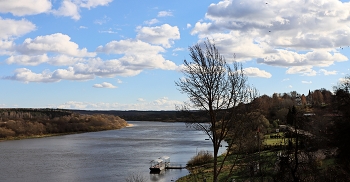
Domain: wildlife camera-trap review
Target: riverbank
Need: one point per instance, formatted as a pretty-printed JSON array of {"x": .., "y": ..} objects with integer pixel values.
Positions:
[{"x": 52, "y": 135}]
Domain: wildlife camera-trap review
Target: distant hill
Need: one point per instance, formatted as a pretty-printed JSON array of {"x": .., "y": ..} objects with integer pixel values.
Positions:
[{"x": 134, "y": 115}]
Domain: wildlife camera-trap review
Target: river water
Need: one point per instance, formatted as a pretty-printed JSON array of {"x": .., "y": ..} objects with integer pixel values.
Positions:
[{"x": 102, "y": 156}]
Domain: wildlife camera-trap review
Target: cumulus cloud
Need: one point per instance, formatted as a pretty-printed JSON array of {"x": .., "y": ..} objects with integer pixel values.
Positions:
[
  {"x": 138, "y": 55},
  {"x": 64, "y": 60},
  {"x": 304, "y": 70},
  {"x": 165, "y": 13},
  {"x": 70, "y": 74},
  {"x": 27, "y": 60},
  {"x": 104, "y": 85},
  {"x": 256, "y": 72},
  {"x": 71, "y": 8},
  {"x": 25, "y": 75},
  {"x": 279, "y": 33},
  {"x": 25, "y": 7},
  {"x": 68, "y": 8},
  {"x": 56, "y": 43},
  {"x": 14, "y": 28},
  {"x": 6, "y": 47},
  {"x": 162, "y": 35},
  {"x": 134, "y": 61}
]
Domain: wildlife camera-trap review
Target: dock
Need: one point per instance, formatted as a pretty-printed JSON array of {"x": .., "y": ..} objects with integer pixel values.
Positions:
[
  {"x": 174, "y": 166},
  {"x": 163, "y": 163}
]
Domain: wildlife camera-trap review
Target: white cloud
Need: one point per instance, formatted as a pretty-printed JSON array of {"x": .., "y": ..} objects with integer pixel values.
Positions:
[
  {"x": 163, "y": 35},
  {"x": 158, "y": 104},
  {"x": 70, "y": 74},
  {"x": 6, "y": 47},
  {"x": 325, "y": 72},
  {"x": 304, "y": 70},
  {"x": 56, "y": 43},
  {"x": 344, "y": 81},
  {"x": 188, "y": 25},
  {"x": 71, "y": 8},
  {"x": 27, "y": 60},
  {"x": 306, "y": 82},
  {"x": 165, "y": 13},
  {"x": 256, "y": 72},
  {"x": 74, "y": 105},
  {"x": 178, "y": 49},
  {"x": 104, "y": 85},
  {"x": 25, "y": 75},
  {"x": 14, "y": 28},
  {"x": 82, "y": 27},
  {"x": 119, "y": 81},
  {"x": 141, "y": 100},
  {"x": 64, "y": 60},
  {"x": 132, "y": 63},
  {"x": 286, "y": 79},
  {"x": 68, "y": 8},
  {"x": 25, "y": 7},
  {"x": 94, "y": 3},
  {"x": 138, "y": 55},
  {"x": 151, "y": 22},
  {"x": 279, "y": 33}
]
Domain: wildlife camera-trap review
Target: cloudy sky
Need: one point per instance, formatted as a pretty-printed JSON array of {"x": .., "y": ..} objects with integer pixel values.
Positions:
[{"x": 126, "y": 55}]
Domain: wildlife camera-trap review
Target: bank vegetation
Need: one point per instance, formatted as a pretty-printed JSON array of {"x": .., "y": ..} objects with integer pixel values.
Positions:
[{"x": 26, "y": 123}]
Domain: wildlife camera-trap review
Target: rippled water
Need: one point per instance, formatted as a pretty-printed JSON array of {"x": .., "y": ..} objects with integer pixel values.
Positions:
[{"x": 101, "y": 156}]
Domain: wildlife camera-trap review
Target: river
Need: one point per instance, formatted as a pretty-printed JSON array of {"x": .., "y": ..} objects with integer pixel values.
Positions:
[{"x": 102, "y": 156}]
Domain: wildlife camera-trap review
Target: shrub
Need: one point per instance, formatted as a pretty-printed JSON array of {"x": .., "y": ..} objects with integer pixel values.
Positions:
[{"x": 202, "y": 157}]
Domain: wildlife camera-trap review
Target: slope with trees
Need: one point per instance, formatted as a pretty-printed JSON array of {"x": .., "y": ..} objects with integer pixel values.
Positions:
[{"x": 22, "y": 123}]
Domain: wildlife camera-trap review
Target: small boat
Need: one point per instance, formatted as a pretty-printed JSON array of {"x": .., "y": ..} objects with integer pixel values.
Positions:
[{"x": 159, "y": 164}]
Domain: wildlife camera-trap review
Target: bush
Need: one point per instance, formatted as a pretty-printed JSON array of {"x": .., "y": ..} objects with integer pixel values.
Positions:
[{"x": 202, "y": 157}]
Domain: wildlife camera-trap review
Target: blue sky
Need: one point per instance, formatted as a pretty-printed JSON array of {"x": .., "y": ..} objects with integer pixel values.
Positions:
[{"x": 126, "y": 55}]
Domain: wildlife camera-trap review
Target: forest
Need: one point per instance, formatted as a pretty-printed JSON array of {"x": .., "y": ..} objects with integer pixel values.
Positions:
[{"x": 24, "y": 123}]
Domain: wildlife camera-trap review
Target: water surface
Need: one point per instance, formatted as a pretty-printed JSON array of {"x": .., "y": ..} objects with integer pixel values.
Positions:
[{"x": 101, "y": 156}]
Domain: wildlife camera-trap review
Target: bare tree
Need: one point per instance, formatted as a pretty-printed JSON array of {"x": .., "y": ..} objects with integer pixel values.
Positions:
[
  {"x": 216, "y": 87},
  {"x": 135, "y": 177}
]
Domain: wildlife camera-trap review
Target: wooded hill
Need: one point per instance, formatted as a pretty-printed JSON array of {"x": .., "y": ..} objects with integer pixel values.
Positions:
[
  {"x": 164, "y": 116},
  {"x": 22, "y": 122}
]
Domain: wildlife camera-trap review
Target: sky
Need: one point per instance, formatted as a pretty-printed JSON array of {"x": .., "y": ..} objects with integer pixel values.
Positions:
[{"x": 127, "y": 55}]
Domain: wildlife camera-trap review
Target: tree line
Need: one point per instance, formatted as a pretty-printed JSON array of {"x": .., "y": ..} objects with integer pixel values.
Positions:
[{"x": 21, "y": 123}]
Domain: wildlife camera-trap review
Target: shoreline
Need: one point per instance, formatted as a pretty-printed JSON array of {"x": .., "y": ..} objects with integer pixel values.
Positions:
[
  {"x": 52, "y": 135},
  {"x": 129, "y": 125}
]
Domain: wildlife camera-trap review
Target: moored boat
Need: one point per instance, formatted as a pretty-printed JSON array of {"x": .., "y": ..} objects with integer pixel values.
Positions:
[{"x": 159, "y": 164}]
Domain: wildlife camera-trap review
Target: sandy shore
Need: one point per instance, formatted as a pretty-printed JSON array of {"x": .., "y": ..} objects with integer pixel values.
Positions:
[{"x": 130, "y": 125}]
